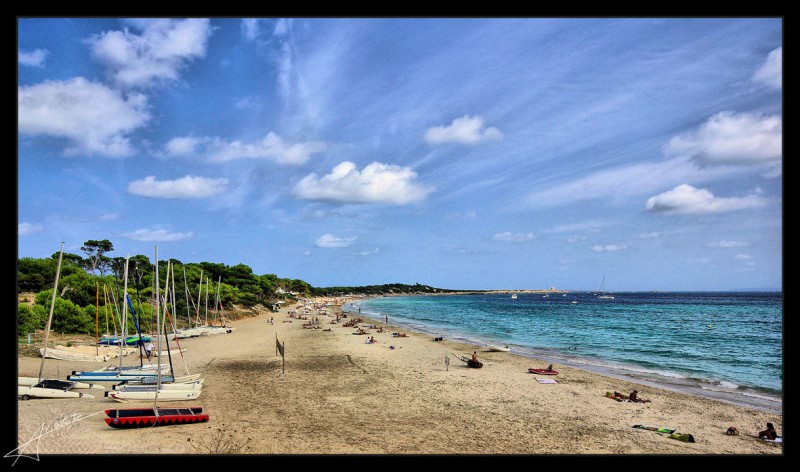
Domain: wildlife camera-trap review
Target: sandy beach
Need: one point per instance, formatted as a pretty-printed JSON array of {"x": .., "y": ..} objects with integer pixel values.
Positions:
[{"x": 339, "y": 395}]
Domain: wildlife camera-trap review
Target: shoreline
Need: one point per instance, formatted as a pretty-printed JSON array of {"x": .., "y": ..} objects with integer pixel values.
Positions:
[
  {"x": 339, "y": 395},
  {"x": 766, "y": 402}
]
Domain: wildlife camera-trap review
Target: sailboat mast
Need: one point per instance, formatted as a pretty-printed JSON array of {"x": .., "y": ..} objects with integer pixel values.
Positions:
[
  {"x": 124, "y": 313},
  {"x": 186, "y": 291},
  {"x": 158, "y": 331},
  {"x": 199, "y": 292},
  {"x": 207, "y": 301},
  {"x": 52, "y": 306}
]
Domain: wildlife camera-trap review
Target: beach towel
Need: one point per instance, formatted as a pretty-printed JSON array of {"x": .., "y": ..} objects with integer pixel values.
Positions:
[
  {"x": 682, "y": 437},
  {"x": 779, "y": 439},
  {"x": 547, "y": 381},
  {"x": 653, "y": 428}
]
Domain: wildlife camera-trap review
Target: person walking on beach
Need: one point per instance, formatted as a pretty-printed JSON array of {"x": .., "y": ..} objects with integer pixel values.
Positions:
[
  {"x": 386, "y": 319},
  {"x": 149, "y": 348}
]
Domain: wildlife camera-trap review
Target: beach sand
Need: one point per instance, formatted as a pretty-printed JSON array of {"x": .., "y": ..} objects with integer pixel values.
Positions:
[{"x": 339, "y": 395}]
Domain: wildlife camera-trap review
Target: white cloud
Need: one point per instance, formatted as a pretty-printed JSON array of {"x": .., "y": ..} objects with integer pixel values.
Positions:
[
  {"x": 687, "y": 200},
  {"x": 651, "y": 235},
  {"x": 26, "y": 229},
  {"x": 329, "y": 240},
  {"x": 160, "y": 235},
  {"x": 609, "y": 248},
  {"x": 514, "y": 237},
  {"x": 377, "y": 183},
  {"x": 702, "y": 260},
  {"x": 575, "y": 239},
  {"x": 729, "y": 138},
  {"x": 183, "y": 146},
  {"x": 465, "y": 130},
  {"x": 109, "y": 217},
  {"x": 770, "y": 73},
  {"x": 184, "y": 188},
  {"x": 366, "y": 253},
  {"x": 743, "y": 257},
  {"x": 33, "y": 58},
  {"x": 727, "y": 244},
  {"x": 92, "y": 117},
  {"x": 271, "y": 146},
  {"x": 164, "y": 47},
  {"x": 250, "y": 28}
]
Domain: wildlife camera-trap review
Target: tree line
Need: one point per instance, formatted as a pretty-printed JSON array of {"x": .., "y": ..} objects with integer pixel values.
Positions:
[{"x": 90, "y": 290}]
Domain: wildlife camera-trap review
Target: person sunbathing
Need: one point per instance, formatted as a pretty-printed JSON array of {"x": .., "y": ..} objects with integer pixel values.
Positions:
[
  {"x": 635, "y": 398},
  {"x": 619, "y": 396}
]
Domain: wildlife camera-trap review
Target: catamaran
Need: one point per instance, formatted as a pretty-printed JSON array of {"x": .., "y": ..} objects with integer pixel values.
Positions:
[{"x": 179, "y": 391}]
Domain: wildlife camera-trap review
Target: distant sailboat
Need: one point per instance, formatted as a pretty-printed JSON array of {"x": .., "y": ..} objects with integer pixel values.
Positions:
[{"x": 603, "y": 295}]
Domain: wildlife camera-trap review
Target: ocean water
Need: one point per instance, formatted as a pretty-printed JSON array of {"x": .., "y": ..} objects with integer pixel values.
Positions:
[{"x": 722, "y": 345}]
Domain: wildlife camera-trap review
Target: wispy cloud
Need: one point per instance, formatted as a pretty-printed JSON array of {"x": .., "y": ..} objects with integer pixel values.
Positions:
[
  {"x": 771, "y": 72},
  {"x": 700, "y": 260},
  {"x": 588, "y": 226},
  {"x": 250, "y": 28},
  {"x": 376, "y": 183},
  {"x": 26, "y": 229},
  {"x": 729, "y": 138},
  {"x": 164, "y": 47},
  {"x": 622, "y": 182},
  {"x": 687, "y": 200},
  {"x": 271, "y": 147},
  {"x": 184, "y": 188},
  {"x": 161, "y": 235},
  {"x": 575, "y": 239},
  {"x": 366, "y": 253},
  {"x": 464, "y": 130},
  {"x": 93, "y": 118},
  {"x": 33, "y": 58},
  {"x": 727, "y": 244},
  {"x": 651, "y": 235},
  {"x": 609, "y": 248},
  {"x": 328, "y": 240},
  {"x": 743, "y": 257},
  {"x": 514, "y": 237}
]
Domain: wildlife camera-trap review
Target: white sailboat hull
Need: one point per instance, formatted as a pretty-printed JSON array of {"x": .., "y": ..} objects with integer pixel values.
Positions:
[
  {"x": 26, "y": 392},
  {"x": 164, "y": 395},
  {"x": 193, "y": 385},
  {"x": 31, "y": 381}
]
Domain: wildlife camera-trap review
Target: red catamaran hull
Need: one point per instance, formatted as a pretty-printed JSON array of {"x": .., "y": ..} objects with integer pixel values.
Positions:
[{"x": 150, "y": 420}]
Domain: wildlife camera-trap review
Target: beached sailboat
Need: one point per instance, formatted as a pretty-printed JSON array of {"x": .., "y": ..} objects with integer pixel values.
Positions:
[
  {"x": 603, "y": 295},
  {"x": 50, "y": 388},
  {"x": 155, "y": 416},
  {"x": 187, "y": 391}
]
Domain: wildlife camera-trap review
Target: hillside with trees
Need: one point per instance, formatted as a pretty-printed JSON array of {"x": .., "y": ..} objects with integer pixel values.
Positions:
[{"x": 90, "y": 288}]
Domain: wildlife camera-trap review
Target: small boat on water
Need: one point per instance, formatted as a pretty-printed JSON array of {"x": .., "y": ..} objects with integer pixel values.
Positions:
[{"x": 514, "y": 296}]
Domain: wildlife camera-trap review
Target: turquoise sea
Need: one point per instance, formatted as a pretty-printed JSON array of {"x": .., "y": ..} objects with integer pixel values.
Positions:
[{"x": 723, "y": 345}]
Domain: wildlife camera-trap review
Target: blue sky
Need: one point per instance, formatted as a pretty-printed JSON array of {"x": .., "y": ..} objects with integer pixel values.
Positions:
[{"x": 498, "y": 153}]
